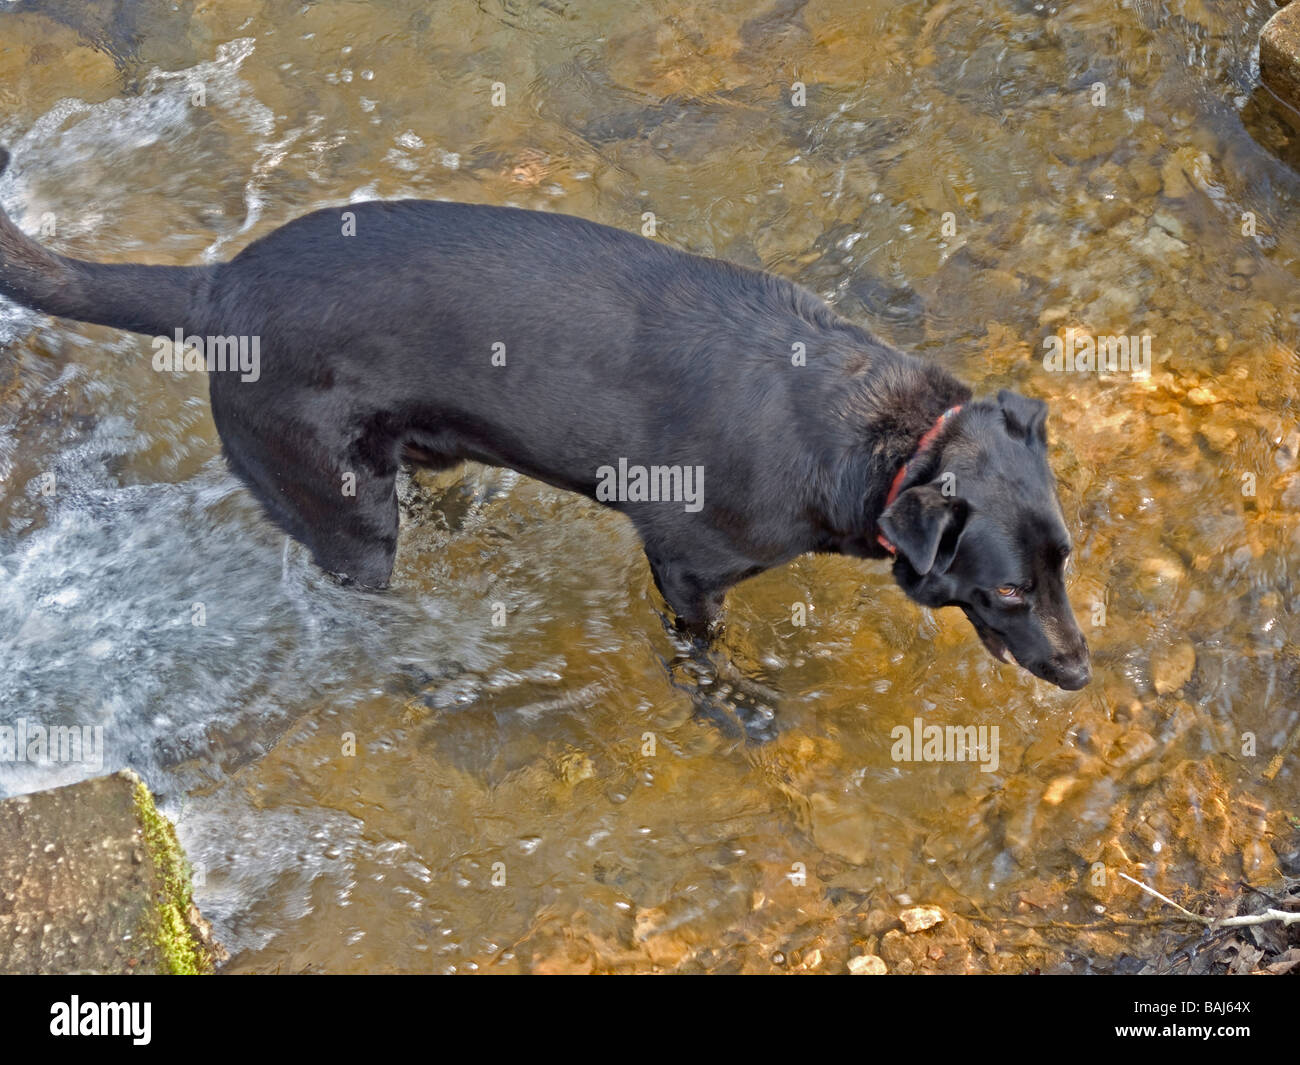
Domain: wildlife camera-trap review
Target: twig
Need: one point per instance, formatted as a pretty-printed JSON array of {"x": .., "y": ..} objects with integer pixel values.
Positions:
[
  {"x": 1152, "y": 891},
  {"x": 1268, "y": 915}
]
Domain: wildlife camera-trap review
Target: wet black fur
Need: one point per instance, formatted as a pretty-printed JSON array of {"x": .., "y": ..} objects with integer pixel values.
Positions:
[{"x": 378, "y": 348}]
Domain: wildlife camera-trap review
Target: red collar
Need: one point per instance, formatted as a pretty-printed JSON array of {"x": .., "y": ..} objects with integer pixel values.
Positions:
[{"x": 922, "y": 446}]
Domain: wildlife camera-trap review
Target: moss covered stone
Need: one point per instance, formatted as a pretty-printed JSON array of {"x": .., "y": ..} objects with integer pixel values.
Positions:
[{"x": 93, "y": 879}]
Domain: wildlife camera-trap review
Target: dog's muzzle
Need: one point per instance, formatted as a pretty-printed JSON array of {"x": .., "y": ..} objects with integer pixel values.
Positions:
[{"x": 1070, "y": 673}]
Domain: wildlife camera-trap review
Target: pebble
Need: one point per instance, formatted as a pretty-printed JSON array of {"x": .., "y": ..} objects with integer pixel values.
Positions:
[
  {"x": 1172, "y": 667},
  {"x": 919, "y": 918},
  {"x": 1057, "y": 790},
  {"x": 1221, "y": 437}
]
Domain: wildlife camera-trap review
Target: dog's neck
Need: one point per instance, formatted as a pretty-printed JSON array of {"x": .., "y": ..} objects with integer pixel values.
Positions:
[
  {"x": 908, "y": 469},
  {"x": 891, "y": 408}
]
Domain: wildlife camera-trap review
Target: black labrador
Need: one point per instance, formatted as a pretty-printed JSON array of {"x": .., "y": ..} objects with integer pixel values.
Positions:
[{"x": 730, "y": 414}]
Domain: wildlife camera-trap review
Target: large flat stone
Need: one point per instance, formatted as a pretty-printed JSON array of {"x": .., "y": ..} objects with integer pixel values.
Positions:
[
  {"x": 1279, "y": 54},
  {"x": 92, "y": 880}
]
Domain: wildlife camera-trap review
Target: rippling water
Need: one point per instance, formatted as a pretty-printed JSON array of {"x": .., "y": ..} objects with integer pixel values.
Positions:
[{"x": 394, "y": 782}]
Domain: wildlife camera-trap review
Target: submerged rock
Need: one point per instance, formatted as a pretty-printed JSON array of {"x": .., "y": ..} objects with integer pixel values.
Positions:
[
  {"x": 93, "y": 880},
  {"x": 1279, "y": 54}
]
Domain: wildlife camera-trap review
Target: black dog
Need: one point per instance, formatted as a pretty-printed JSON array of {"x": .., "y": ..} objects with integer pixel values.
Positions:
[{"x": 610, "y": 365}]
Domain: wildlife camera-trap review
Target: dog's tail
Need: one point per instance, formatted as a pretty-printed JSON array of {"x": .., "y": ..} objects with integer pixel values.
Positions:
[{"x": 155, "y": 300}]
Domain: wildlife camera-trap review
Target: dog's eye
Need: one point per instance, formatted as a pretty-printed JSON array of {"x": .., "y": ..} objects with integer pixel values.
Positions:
[{"x": 1010, "y": 593}]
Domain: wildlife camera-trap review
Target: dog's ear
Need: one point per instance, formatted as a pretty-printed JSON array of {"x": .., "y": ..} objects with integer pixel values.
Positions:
[
  {"x": 925, "y": 525},
  {"x": 1025, "y": 418}
]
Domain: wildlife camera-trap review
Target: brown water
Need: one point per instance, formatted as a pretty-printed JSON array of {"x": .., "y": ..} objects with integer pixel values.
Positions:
[{"x": 545, "y": 794}]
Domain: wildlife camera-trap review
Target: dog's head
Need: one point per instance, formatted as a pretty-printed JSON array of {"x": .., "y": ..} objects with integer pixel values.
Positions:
[{"x": 985, "y": 533}]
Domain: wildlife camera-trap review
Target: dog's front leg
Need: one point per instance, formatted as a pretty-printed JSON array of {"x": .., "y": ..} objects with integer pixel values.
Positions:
[
  {"x": 695, "y": 602},
  {"x": 718, "y": 688}
]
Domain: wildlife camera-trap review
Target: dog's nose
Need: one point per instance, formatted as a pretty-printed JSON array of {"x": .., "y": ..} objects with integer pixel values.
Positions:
[{"x": 1074, "y": 675}]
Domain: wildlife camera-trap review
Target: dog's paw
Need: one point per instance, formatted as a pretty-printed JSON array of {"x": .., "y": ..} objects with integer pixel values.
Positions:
[{"x": 738, "y": 705}]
